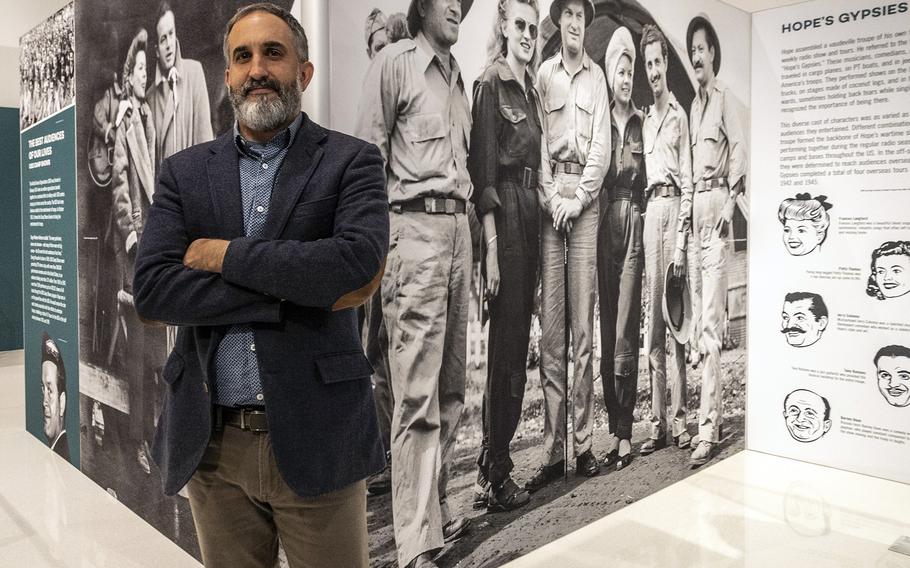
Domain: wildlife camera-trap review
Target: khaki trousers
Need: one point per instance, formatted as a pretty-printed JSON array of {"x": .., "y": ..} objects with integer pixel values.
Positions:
[
  {"x": 582, "y": 256},
  {"x": 241, "y": 506},
  {"x": 660, "y": 246},
  {"x": 713, "y": 262},
  {"x": 425, "y": 295}
]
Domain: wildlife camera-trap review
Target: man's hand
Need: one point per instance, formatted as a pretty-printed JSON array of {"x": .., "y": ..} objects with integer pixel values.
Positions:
[
  {"x": 360, "y": 296},
  {"x": 566, "y": 211},
  {"x": 492, "y": 270},
  {"x": 679, "y": 263},
  {"x": 722, "y": 227},
  {"x": 206, "y": 254}
]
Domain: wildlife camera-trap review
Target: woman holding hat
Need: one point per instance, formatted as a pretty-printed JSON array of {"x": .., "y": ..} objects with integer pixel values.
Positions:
[
  {"x": 620, "y": 256},
  {"x": 504, "y": 158}
]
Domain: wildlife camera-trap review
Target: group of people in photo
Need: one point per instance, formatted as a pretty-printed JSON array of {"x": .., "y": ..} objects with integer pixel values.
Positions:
[
  {"x": 581, "y": 198},
  {"x": 47, "y": 64}
]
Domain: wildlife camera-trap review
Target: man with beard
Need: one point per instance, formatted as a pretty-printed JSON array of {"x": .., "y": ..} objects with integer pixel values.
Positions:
[
  {"x": 667, "y": 224},
  {"x": 416, "y": 110},
  {"x": 575, "y": 156},
  {"x": 803, "y": 319},
  {"x": 53, "y": 391},
  {"x": 179, "y": 100},
  {"x": 718, "y": 178},
  {"x": 807, "y": 415},
  {"x": 258, "y": 245}
]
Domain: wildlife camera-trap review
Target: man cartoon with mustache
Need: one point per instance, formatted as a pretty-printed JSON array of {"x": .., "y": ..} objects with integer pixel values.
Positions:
[
  {"x": 53, "y": 391},
  {"x": 807, "y": 415},
  {"x": 804, "y": 318},
  {"x": 892, "y": 367},
  {"x": 718, "y": 177}
]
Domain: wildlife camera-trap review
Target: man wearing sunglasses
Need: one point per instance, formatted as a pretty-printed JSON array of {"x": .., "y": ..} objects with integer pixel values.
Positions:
[
  {"x": 575, "y": 155},
  {"x": 416, "y": 111}
]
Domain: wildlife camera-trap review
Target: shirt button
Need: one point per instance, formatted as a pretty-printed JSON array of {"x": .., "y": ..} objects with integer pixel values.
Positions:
[
  {"x": 260, "y": 209},
  {"x": 252, "y": 347},
  {"x": 259, "y": 396},
  {"x": 265, "y": 166}
]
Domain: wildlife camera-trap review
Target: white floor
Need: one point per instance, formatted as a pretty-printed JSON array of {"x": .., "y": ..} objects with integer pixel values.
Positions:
[{"x": 750, "y": 510}]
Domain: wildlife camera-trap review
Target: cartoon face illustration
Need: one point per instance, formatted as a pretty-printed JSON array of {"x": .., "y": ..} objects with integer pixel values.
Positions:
[
  {"x": 803, "y": 319},
  {"x": 807, "y": 415},
  {"x": 892, "y": 369},
  {"x": 890, "y": 276},
  {"x": 805, "y": 221}
]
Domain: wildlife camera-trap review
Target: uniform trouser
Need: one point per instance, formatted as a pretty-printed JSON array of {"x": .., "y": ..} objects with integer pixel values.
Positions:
[
  {"x": 619, "y": 268},
  {"x": 582, "y": 272},
  {"x": 660, "y": 247},
  {"x": 518, "y": 250},
  {"x": 713, "y": 261},
  {"x": 377, "y": 349},
  {"x": 693, "y": 274},
  {"x": 241, "y": 505},
  {"x": 425, "y": 294}
]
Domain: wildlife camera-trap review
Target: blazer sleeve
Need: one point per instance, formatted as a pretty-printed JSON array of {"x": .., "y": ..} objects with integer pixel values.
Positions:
[
  {"x": 166, "y": 290},
  {"x": 317, "y": 273}
]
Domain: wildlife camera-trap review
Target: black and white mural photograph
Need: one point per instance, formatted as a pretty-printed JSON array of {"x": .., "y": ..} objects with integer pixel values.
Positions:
[
  {"x": 561, "y": 325},
  {"x": 153, "y": 82},
  {"x": 47, "y": 65}
]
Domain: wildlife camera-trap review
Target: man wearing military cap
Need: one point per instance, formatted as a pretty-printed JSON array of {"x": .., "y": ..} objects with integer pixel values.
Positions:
[
  {"x": 416, "y": 111},
  {"x": 374, "y": 32},
  {"x": 718, "y": 177},
  {"x": 575, "y": 156}
]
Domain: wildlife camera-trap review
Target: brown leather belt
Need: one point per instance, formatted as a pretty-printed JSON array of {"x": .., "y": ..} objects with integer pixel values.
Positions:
[
  {"x": 709, "y": 184},
  {"x": 665, "y": 190},
  {"x": 249, "y": 419},
  {"x": 568, "y": 168},
  {"x": 523, "y": 177},
  {"x": 431, "y": 205}
]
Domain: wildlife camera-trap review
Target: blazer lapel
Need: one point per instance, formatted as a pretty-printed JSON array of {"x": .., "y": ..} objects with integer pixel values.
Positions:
[
  {"x": 301, "y": 161},
  {"x": 224, "y": 184}
]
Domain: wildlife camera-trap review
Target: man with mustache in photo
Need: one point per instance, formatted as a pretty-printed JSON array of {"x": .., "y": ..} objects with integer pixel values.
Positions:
[
  {"x": 258, "y": 245},
  {"x": 807, "y": 415},
  {"x": 892, "y": 367},
  {"x": 53, "y": 392},
  {"x": 415, "y": 109},
  {"x": 718, "y": 177},
  {"x": 804, "y": 318},
  {"x": 575, "y": 155}
]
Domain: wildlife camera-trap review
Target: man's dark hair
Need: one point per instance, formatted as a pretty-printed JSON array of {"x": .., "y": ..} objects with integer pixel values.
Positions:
[
  {"x": 824, "y": 401},
  {"x": 817, "y": 307},
  {"x": 652, "y": 34},
  {"x": 892, "y": 351},
  {"x": 50, "y": 352},
  {"x": 163, "y": 9},
  {"x": 301, "y": 45}
]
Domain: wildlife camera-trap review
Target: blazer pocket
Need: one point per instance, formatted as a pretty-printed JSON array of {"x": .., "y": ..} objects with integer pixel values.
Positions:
[
  {"x": 173, "y": 368},
  {"x": 315, "y": 207},
  {"x": 340, "y": 367}
]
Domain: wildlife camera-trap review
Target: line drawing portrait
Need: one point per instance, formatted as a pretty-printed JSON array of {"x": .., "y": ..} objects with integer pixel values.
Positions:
[
  {"x": 890, "y": 276},
  {"x": 807, "y": 415},
  {"x": 892, "y": 369},
  {"x": 804, "y": 318},
  {"x": 805, "y": 221},
  {"x": 53, "y": 391}
]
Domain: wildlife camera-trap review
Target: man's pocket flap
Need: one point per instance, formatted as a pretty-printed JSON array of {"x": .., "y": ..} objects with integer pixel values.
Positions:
[{"x": 338, "y": 367}]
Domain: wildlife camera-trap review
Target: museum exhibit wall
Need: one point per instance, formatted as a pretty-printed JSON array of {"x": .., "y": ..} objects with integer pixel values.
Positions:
[
  {"x": 10, "y": 233},
  {"x": 829, "y": 325}
]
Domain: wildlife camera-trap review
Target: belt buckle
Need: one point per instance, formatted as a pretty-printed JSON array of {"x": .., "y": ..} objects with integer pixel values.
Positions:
[
  {"x": 396, "y": 208},
  {"x": 450, "y": 206},
  {"x": 245, "y": 425},
  {"x": 429, "y": 204},
  {"x": 526, "y": 178}
]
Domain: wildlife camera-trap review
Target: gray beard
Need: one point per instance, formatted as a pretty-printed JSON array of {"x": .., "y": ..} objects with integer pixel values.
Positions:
[{"x": 266, "y": 114}]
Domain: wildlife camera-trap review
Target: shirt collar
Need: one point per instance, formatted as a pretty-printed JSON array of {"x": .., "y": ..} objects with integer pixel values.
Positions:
[
  {"x": 428, "y": 55},
  {"x": 506, "y": 74},
  {"x": 672, "y": 105},
  {"x": 585, "y": 60},
  {"x": 281, "y": 140}
]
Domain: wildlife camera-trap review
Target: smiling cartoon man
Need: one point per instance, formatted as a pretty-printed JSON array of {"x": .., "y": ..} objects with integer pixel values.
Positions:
[
  {"x": 804, "y": 318},
  {"x": 892, "y": 368},
  {"x": 807, "y": 414}
]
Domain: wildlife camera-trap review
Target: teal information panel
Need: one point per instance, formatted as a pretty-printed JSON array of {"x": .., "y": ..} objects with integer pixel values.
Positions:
[
  {"x": 50, "y": 330},
  {"x": 10, "y": 233}
]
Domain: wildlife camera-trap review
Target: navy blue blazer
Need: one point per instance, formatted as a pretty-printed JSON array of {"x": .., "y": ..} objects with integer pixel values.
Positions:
[{"x": 326, "y": 234}]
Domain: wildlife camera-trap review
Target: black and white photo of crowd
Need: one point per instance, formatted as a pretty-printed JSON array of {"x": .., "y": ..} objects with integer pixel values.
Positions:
[
  {"x": 568, "y": 236},
  {"x": 47, "y": 64},
  {"x": 152, "y": 85}
]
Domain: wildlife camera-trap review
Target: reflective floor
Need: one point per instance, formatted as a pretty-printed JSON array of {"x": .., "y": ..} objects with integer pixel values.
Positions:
[{"x": 750, "y": 510}]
